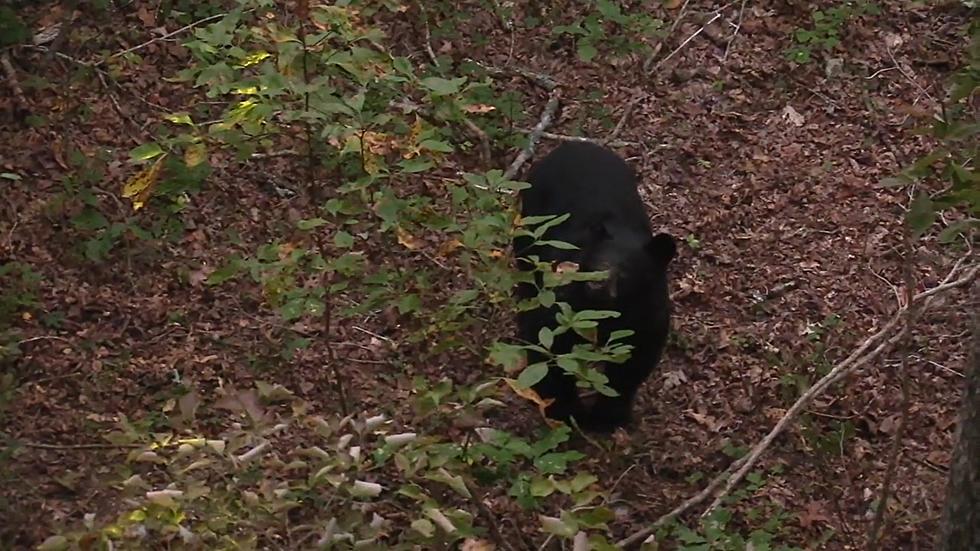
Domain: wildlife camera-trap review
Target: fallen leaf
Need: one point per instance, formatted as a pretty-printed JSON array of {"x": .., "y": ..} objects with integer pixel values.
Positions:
[
  {"x": 793, "y": 116},
  {"x": 479, "y": 108},
  {"x": 408, "y": 240},
  {"x": 146, "y": 16},
  {"x": 477, "y": 545}
]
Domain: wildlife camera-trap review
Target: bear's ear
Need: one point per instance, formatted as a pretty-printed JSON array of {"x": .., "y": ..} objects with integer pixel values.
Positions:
[{"x": 662, "y": 247}]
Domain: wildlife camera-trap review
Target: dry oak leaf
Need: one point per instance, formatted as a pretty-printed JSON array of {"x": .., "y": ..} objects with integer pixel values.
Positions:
[{"x": 408, "y": 240}]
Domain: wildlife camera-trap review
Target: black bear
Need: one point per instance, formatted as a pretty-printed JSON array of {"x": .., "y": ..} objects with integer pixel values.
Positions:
[{"x": 609, "y": 226}]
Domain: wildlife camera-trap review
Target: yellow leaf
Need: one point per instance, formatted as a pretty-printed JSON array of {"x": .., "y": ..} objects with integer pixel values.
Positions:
[
  {"x": 449, "y": 246},
  {"x": 285, "y": 250},
  {"x": 529, "y": 394},
  {"x": 140, "y": 187},
  {"x": 408, "y": 240},
  {"x": 377, "y": 142},
  {"x": 195, "y": 154},
  {"x": 371, "y": 164},
  {"x": 412, "y": 148},
  {"x": 246, "y": 90},
  {"x": 254, "y": 58}
]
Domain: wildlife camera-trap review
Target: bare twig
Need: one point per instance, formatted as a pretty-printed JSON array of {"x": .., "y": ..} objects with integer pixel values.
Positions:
[
  {"x": 858, "y": 358},
  {"x": 77, "y": 446},
  {"x": 532, "y": 139},
  {"x": 674, "y": 513},
  {"x": 477, "y": 498},
  {"x": 427, "y": 34},
  {"x": 44, "y": 338},
  {"x": 482, "y": 137},
  {"x": 688, "y": 40},
  {"x": 583, "y": 139},
  {"x": 166, "y": 36},
  {"x": 907, "y": 76},
  {"x": 628, "y": 110},
  {"x": 659, "y": 46},
  {"x": 871, "y": 348},
  {"x": 540, "y": 79},
  {"x": 896, "y": 447},
  {"x": 738, "y": 27},
  {"x": 14, "y": 83}
]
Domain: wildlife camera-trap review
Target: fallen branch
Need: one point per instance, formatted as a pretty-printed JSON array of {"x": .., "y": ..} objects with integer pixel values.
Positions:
[
  {"x": 857, "y": 359},
  {"x": 18, "y": 92},
  {"x": 738, "y": 27},
  {"x": 427, "y": 35},
  {"x": 868, "y": 350},
  {"x": 541, "y": 80},
  {"x": 660, "y": 44},
  {"x": 904, "y": 337},
  {"x": 582, "y": 139},
  {"x": 549, "y": 112},
  {"x": 628, "y": 110},
  {"x": 78, "y": 446}
]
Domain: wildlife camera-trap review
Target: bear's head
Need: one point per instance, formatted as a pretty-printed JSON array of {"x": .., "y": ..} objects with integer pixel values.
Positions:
[{"x": 636, "y": 261}]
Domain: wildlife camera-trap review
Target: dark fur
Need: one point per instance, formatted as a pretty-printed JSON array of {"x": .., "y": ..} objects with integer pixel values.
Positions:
[{"x": 609, "y": 225}]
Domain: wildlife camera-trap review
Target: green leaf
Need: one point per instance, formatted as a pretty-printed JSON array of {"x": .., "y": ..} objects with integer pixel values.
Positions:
[
  {"x": 146, "y": 151},
  {"x": 921, "y": 215},
  {"x": 343, "y": 239},
  {"x": 409, "y": 303},
  {"x": 542, "y": 487},
  {"x": 226, "y": 272},
  {"x": 532, "y": 374},
  {"x": 557, "y": 526},
  {"x": 310, "y": 223},
  {"x": 508, "y": 356},
  {"x": 586, "y": 51},
  {"x": 443, "y": 87},
  {"x": 596, "y": 314},
  {"x": 417, "y": 164},
  {"x": 90, "y": 219},
  {"x": 583, "y": 481},
  {"x": 952, "y": 232},
  {"x": 10, "y": 176},
  {"x": 565, "y": 246},
  {"x": 568, "y": 363},
  {"x": 556, "y": 462},
  {"x": 546, "y": 337},
  {"x": 436, "y": 145},
  {"x": 896, "y": 181},
  {"x": 455, "y": 482},
  {"x": 424, "y": 527},
  {"x": 54, "y": 543},
  {"x": 179, "y": 118}
]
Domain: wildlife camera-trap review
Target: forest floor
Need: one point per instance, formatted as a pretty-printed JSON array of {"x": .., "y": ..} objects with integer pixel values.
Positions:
[{"x": 767, "y": 170}]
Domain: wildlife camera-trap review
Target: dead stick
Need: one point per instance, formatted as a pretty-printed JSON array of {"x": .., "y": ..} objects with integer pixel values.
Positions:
[
  {"x": 629, "y": 106},
  {"x": 8, "y": 69},
  {"x": 546, "y": 116},
  {"x": 856, "y": 359},
  {"x": 187, "y": 27},
  {"x": 905, "y": 337}
]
